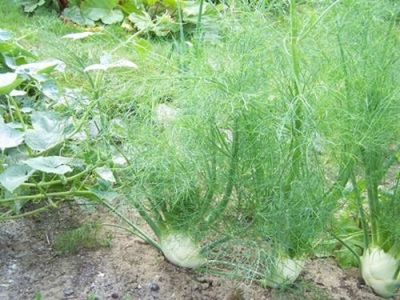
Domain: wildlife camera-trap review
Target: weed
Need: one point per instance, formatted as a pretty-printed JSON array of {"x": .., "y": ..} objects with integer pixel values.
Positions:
[
  {"x": 87, "y": 236},
  {"x": 38, "y": 296}
]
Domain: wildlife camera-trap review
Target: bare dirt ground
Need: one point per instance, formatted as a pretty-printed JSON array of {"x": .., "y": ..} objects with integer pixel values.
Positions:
[{"x": 130, "y": 269}]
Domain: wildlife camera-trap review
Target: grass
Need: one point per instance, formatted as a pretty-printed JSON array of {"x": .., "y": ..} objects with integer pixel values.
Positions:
[
  {"x": 241, "y": 160},
  {"x": 42, "y": 32},
  {"x": 86, "y": 236}
]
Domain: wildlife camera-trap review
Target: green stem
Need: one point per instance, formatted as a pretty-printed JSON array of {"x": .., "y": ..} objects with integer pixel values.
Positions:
[
  {"x": 157, "y": 228},
  {"x": 212, "y": 169},
  {"x": 373, "y": 204},
  {"x": 371, "y": 180},
  {"x": 58, "y": 181},
  {"x": 33, "y": 212},
  {"x": 297, "y": 125},
  {"x": 231, "y": 176},
  {"x": 97, "y": 84},
  {"x": 361, "y": 210},
  {"x": 70, "y": 193},
  {"x": 198, "y": 25},
  {"x": 136, "y": 230},
  {"x": 21, "y": 119},
  {"x": 181, "y": 46},
  {"x": 294, "y": 47},
  {"x": 181, "y": 31},
  {"x": 19, "y": 114}
]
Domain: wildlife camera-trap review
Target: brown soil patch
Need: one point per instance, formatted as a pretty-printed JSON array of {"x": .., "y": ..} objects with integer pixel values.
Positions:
[{"x": 130, "y": 269}]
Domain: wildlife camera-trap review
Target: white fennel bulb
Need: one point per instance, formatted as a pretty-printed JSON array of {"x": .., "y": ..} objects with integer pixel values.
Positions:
[
  {"x": 378, "y": 270},
  {"x": 180, "y": 250},
  {"x": 283, "y": 272}
]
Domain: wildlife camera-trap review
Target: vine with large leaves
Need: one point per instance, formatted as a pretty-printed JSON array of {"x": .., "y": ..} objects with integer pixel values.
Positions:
[
  {"x": 51, "y": 148},
  {"x": 155, "y": 17}
]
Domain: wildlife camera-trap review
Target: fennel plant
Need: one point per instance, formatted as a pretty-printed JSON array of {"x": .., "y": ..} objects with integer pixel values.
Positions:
[
  {"x": 262, "y": 93},
  {"x": 180, "y": 183},
  {"x": 295, "y": 198},
  {"x": 367, "y": 107}
]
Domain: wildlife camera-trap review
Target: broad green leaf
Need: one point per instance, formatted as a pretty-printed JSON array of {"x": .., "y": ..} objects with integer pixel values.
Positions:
[
  {"x": 97, "y": 9},
  {"x": 150, "y": 2},
  {"x": 114, "y": 16},
  {"x": 14, "y": 176},
  {"x": 103, "y": 189},
  {"x": 9, "y": 137},
  {"x": 106, "y": 174},
  {"x": 48, "y": 130},
  {"x": 16, "y": 155},
  {"x": 172, "y": 3},
  {"x": 31, "y": 5},
  {"x": 9, "y": 81},
  {"x": 50, "y": 90},
  {"x": 75, "y": 15},
  {"x": 13, "y": 49},
  {"x": 128, "y": 6},
  {"x": 142, "y": 21},
  {"x": 192, "y": 8},
  {"x": 79, "y": 35},
  {"x": 50, "y": 164},
  {"x": 45, "y": 66},
  {"x": 165, "y": 25},
  {"x": 122, "y": 63},
  {"x": 9, "y": 61}
]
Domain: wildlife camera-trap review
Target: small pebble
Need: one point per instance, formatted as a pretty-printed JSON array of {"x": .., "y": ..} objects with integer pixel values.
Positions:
[
  {"x": 154, "y": 287},
  {"x": 68, "y": 292},
  {"x": 114, "y": 295}
]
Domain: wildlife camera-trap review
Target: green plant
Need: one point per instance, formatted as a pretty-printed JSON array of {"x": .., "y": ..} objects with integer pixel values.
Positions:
[
  {"x": 30, "y": 6},
  {"x": 93, "y": 296},
  {"x": 176, "y": 188},
  {"x": 160, "y": 18},
  {"x": 366, "y": 110},
  {"x": 231, "y": 178},
  {"x": 48, "y": 136},
  {"x": 84, "y": 236},
  {"x": 38, "y": 296},
  {"x": 230, "y": 165},
  {"x": 284, "y": 180}
]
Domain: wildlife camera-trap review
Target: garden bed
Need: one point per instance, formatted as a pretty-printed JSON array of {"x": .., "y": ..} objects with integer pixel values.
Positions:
[
  {"x": 246, "y": 143},
  {"x": 130, "y": 269}
]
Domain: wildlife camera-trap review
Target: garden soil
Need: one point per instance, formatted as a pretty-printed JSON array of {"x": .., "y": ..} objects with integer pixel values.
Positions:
[{"x": 130, "y": 269}]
